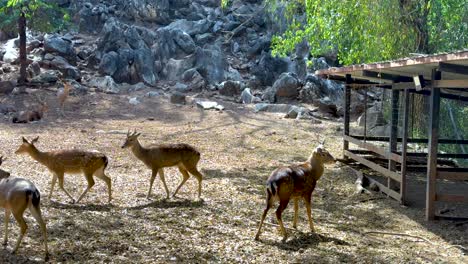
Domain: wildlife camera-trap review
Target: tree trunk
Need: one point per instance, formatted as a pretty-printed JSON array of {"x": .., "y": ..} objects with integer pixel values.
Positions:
[{"x": 22, "y": 48}]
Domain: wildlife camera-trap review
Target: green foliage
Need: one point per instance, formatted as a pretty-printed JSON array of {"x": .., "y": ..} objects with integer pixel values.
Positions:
[
  {"x": 43, "y": 16},
  {"x": 224, "y": 4},
  {"x": 372, "y": 30}
]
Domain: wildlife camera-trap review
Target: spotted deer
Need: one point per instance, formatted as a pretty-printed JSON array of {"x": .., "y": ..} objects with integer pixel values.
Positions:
[
  {"x": 72, "y": 161},
  {"x": 157, "y": 157},
  {"x": 295, "y": 182},
  {"x": 17, "y": 194}
]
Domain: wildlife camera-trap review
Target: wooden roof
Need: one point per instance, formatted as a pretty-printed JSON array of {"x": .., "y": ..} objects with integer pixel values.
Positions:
[{"x": 454, "y": 66}]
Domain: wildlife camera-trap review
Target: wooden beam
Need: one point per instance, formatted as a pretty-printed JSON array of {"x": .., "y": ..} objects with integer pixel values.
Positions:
[
  {"x": 453, "y": 84},
  {"x": 413, "y": 140},
  {"x": 347, "y": 109},
  {"x": 434, "y": 114},
  {"x": 453, "y": 68},
  {"x": 451, "y": 198},
  {"x": 382, "y": 188},
  {"x": 404, "y": 146},
  {"x": 452, "y": 175},
  {"x": 391, "y": 174},
  {"x": 386, "y": 76},
  {"x": 384, "y": 153}
]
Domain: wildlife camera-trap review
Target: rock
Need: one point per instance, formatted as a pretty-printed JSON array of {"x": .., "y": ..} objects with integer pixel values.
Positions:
[
  {"x": 230, "y": 88},
  {"x": 146, "y": 10},
  {"x": 59, "y": 63},
  {"x": 108, "y": 65},
  {"x": 92, "y": 18},
  {"x": 7, "y": 87},
  {"x": 196, "y": 81},
  {"x": 295, "y": 112},
  {"x": 175, "y": 68},
  {"x": 191, "y": 27},
  {"x": 182, "y": 88},
  {"x": 105, "y": 84},
  {"x": 172, "y": 43},
  {"x": 232, "y": 74},
  {"x": 177, "y": 98},
  {"x": 45, "y": 77},
  {"x": 269, "y": 68},
  {"x": 374, "y": 117},
  {"x": 309, "y": 93},
  {"x": 10, "y": 52},
  {"x": 34, "y": 69},
  {"x": 206, "y": 105},
  {"x": 286, "y": 86},
  {"x": 58, "y": 45},
  {"x": 325, "y": 105},
  {"x": 204, "y": 38},
  {"x": 152, "y": 94},
  {"x": 272, "y": 108},
  {"x": 144, "y": 64},
  {"x": 7, "y": 109},
  {"x": 211, "y": 63},
  {"x": 247, "y": 97},
  {"x": 137, "y": 87},
  {"x": 134, "y": 101},
  {"x": 269, "y": 95}
]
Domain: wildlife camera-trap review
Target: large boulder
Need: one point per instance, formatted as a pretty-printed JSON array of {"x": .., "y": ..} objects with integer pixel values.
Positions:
[
  {"x": 58, "y": 45},
  {"x": 175, "y": 69},
  {"x": 191, "y": 27},
  {"x": 374, "y": 117},
  {"x": 108, "y": 65},
  {"x": 268, "y": 68},
  {"x": 230, "y": 88},
  {"x": 145, "y": 10},
  {"x": 211, "y": 63},
  {"x": 195, "y": 81},
  {"x": 92, "y": 18},
  {"x": 105, "y": 84},
  {"x": 286, "y": 86},
  {"x": 172, "y": 43},
  {"x": 59, "y": 63}
]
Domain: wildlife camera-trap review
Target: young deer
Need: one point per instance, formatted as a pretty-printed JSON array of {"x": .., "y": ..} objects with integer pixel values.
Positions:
[
  {"x": 157, "y": 157},
  {"x": 72, "y": 161},
  {"x": 17, "y": 194},
  {"x": 62, "y": 95},
  {"x": 295, "y": 181},
  {"x": 31, "y": 115}
]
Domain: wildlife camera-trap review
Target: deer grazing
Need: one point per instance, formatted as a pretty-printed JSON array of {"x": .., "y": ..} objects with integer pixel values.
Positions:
[
  {"x": 31, "y": 115},
  {"x": 295, "y": 181},
  {"x": 157, "y": 157},
  {"x": 17, "y": 194},
  {"x": 72, "y": 161}
]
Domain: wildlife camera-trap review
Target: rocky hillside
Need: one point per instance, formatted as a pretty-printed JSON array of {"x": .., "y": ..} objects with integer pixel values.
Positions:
[{"x": 183, "y": 46}]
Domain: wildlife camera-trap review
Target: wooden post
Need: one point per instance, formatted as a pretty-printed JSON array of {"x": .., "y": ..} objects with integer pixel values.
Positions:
[
  {"x": 433, "y": 145},
  {"x": 404, "y": 147},
  {"x": 347, "y": 106},
  {"x": 393, "y": 132}
]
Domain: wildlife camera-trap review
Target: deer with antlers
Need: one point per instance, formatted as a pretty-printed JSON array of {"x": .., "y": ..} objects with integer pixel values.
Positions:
[
  {"x": 157, "y": 157},
  {"x": 17, "y": 194},
  {"x": 72, "y": 161},
  {"x": 295, "y": 182}
]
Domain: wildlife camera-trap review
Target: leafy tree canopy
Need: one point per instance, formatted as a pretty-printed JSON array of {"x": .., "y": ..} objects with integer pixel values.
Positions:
[{"x": 42, "y": 15}]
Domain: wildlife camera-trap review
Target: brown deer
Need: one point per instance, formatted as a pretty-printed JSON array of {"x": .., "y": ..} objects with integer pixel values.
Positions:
[
  {"x": 62, "y": 95},
  {"x": 295, "y": 181},
  {"x": 157, "y": 157},
  {"x": 71, "y": 161},
  {"x": 31, "y": 115},
  {"x": 17, "y": 194}
]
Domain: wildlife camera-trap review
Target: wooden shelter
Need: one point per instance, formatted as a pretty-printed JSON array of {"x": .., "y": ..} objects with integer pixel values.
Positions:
[{"x": 434, "y": 76}]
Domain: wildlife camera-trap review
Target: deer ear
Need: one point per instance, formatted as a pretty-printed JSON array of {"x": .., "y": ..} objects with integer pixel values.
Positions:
[
  {"x": 25, "y": 140},
  {"x": 35, "y": 140},
  {"x": 137, "y": 135},
  {"x": 1, "y": 160}
]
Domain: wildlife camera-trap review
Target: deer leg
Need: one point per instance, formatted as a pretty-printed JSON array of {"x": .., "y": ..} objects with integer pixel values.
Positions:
[
  {"x": 279, "y": 211},
  {"x": 153, "y": 176},
  {"x": 19, "y": 218},
  {"x": 186, "y": 177},
  {"x": 269, "y": 203},
  {"x": 36, "y": 213},
  {"x": 307, "y": 201},
  {"x": 54, "y": 180},
  {"x": 90, "y": 180},
  {"x": 7, "y": 220},
  {"x": 60, "y": 180},
  {"x": 296, "y": 212},
  {"x": 101, "y": 175},
  {"x": 161, "y": 176},
  {"x": 199, "y": 177}
]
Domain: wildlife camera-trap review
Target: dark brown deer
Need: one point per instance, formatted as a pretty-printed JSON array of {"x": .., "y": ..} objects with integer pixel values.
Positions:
[
  {"x": 17, "y": 194},
  {"x": 295, "y": 182}
]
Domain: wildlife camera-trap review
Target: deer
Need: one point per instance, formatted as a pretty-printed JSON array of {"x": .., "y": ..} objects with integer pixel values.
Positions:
[
  {"x": 62, "y": 95},
  {"x": 157, "y": 157},
  {"x": 72, "y": 161},
  {"x": 17, "y": 194},
  {"x": 295, "y": 182},
  {"x": 31, "y": 115}
]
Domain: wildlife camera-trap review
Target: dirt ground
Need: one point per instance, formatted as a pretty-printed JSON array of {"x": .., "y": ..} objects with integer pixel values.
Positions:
[{"x": 239, "y": 150}]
